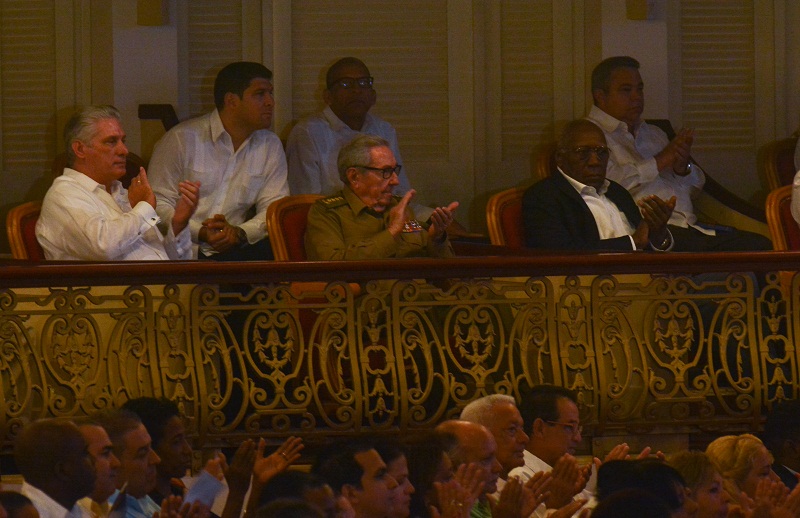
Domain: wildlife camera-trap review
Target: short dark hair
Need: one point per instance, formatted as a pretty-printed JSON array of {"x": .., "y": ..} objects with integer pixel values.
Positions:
[
  {"x": 651, "y": 475},
  {"x": 337, "y": 464},
  {"x": 235, "y": 78},
  {"x": 601, "y": 75},
  {"x": 541, "y": 402},
  {"x": 154, "y": 413},
  {"x": 568, "y": 133},
  {"x": 423, "y": 452},
  {"x": 333, "y": 71}
]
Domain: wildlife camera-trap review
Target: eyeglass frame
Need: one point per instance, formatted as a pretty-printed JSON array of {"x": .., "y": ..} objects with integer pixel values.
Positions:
[
  {"x": 584, "y": 152},
  {"x": 382, "y": 170},
  {"x": 365, "y": 82},
  {"x": 571, "y": 428}
]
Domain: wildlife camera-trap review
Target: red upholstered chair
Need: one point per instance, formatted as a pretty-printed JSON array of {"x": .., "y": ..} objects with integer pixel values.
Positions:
[
  {"x": 21, "y": 229},
  {"x": 286, "y": 225},
  {"x": 504, "y": 218},
  {"x": 783, "y": 228},
  {"x": 777, "y": 160}
]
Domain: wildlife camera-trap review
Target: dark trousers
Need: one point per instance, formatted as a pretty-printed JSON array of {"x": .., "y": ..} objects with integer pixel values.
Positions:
[
  {"x": 259, "y": 251},
  {"x": 733, "y": 240}
]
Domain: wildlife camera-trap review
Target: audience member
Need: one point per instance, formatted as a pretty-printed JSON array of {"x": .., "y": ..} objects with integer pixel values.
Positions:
[
  {"x": 356, "y": 471},
  {"x": 164, "y": 424},
  {"x": 499, "y": 414},
  {"x": 239, "y": 163},
  {"x": 54, "y": 460},
  {"x": 16, "y": 505},
  {"x": 579, "y": 208},
  {"x": 88, "y": 215},
  {"x": 646, "y": 162},
  {"x": 364, "y": 220},
  {"x": 782, "y": 438},
  {"x": 137, "y": 472},
  {"x": 314, "y": 143},
  {"x": 743, "y": 461},
  {"x": 106, "y": 465},
  {"x": 796, "y": 196},
  {"x": 397, "y": 466},
  {"x": 704, "y": 482},
  {"x": 550, "y": 414}
]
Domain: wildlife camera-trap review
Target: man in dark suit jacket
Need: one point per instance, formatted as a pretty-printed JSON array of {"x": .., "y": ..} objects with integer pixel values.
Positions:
[{"x": 577, "y": 208}]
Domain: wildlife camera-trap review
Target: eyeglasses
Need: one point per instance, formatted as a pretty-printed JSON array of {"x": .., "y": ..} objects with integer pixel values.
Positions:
[
  {"x": 385, "y": 172},
  {"x": 570, "y": 428},
  {"x": 349, "y": 82},
  {"x": 585, "y": 152}
]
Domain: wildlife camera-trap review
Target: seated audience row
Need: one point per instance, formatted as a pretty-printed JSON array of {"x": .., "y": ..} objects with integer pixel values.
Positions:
[
  {"x": 212, "y": 179},
  {"x": 499, "y": 459}
]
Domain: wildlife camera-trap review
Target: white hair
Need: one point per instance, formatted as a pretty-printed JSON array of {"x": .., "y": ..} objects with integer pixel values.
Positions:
[{"x": 480, "y": 410}]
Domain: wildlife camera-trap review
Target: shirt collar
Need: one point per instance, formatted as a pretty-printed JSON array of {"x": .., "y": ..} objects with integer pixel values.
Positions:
[
  {"x": 89, "y": 184},
  {"x": 217, "y": 129},
  {"x": 338, "y": 124},
  {"x": 582, "y": 187},
  {"x": 355, "y": 203},
  {"x": 608, "y": 123}
]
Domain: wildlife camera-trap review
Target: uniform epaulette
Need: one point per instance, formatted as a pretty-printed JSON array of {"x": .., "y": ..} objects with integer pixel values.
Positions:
[{"x": 334, "y": 201}]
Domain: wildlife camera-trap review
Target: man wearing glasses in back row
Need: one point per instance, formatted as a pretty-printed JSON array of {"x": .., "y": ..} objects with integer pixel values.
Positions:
[{"x": 365, "y": 220}]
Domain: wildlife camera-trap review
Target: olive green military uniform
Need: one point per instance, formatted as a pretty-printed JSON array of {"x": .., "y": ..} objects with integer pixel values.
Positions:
[{"x": 341, "y": 227}]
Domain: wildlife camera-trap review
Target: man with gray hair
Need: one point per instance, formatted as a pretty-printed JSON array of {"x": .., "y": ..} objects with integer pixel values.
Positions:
[
  {"x": 87, "y": 215},
  {"x": 365, "y": 220},
  {"x": 499, "y": 414}
]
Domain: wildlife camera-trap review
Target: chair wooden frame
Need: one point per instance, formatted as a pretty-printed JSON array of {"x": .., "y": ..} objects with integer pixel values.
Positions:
[
  {"x": 275, "y": 213},
  {"x": 770, "y": 160},
  {"x": 14, "y": 227},
  {"x": 495, "y": 207},
  {"x": 776, "y": 229}
]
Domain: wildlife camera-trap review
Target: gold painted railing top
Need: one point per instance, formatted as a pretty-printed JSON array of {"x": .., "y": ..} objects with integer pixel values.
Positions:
[{"x": 651, "y": 342}]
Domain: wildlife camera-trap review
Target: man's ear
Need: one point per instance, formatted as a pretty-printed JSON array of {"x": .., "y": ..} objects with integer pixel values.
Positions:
[
  {"x": 352, "y": 175},
  {"x": 537, "y": 430},
  {"x": 78, "y": 149},
  {"x": 231, "y": 100},
  {"x": 599, "y": 96}
]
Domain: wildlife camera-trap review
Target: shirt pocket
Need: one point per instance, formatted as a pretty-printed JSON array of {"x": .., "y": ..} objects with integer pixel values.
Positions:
[
  {"x": 248, "y": 189},
  {"x": 209, "y": 181}
]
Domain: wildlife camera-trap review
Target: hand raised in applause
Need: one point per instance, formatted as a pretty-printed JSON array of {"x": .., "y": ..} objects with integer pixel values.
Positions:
[
  {"x": 440, "y": 220},
  {"x": 140, "y": 190},
  {"x": 187, "y": 204},
  {"x": 398, "y": 215}
]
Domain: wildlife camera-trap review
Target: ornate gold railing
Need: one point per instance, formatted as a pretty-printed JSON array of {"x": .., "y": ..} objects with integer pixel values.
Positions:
[{"x": 652, "y": 343}]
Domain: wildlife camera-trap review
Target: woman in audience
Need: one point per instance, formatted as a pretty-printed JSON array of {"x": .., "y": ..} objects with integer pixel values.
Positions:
[
  {"x": 705, "y": 483},
  {"x": 743, "y": 461}
]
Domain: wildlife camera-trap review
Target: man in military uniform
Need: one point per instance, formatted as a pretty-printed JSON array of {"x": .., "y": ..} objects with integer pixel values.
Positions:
[{"x": 364, "y": 220}]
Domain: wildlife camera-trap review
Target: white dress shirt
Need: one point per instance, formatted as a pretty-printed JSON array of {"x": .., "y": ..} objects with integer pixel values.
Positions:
[
  {"x": 313, "y": 148},
  {"x": 81, "y": 221},
  {"x": 632, "y": 164},
  {"x": 611, "y": 222},
  {"x": 534, "y": 464},
  {"x": 49, "y": 508},
  {"x": 232, "y": 182}
]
